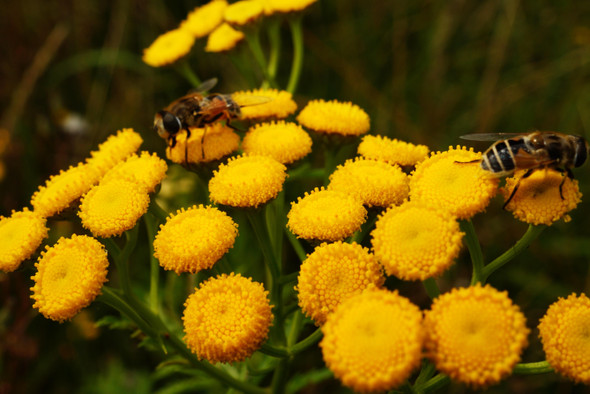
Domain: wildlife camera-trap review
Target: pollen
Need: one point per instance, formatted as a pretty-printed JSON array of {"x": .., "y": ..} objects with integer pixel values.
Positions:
[
  {"x": 218, "y": 141},
  {"x": 223, "y": 39},
  {"x": 194, "y": 239},
  {"x": 146, "y": 170},
  {"x": 285, "y": 142},
  {"x": 114, "y": 150},
  {"x": 334, "y": 117},
  {"x": 265, "y": 104},
  {"x": 204, "y": 19},
  {"x": 20, "y": 236},
  {"x": 243, "y": 12},
  {"x": 392, "y": 151},
  {"x": 169, "y": 47}
]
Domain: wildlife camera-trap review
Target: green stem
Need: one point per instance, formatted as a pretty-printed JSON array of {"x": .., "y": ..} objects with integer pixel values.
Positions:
[
  {"x": 295, "y": 329},
  {"x": 296, "y": 244},
  {"x": 474, "y": 251},
  {"x": 278, "y": 352},
  {"x": 431, "y": 288},
  {"x": 156, "y": 210},
  {"x": 150, "y": 224},
  {"x": 532, "y": 368},
  {"x": 274, "y": 37},
  {"x": 435, "y": 383},
  {"x": 311, "y": 340},
  {"x": 297, "y": 37},
  {"x": 187, "y": 72},
  {"x": 253, "y": 40},
  {"x": 111, "y": 298},
  {"x": 279, "y": 378}
]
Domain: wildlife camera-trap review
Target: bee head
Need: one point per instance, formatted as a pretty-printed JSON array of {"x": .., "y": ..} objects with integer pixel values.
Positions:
[{"x": 166, "y": 124}]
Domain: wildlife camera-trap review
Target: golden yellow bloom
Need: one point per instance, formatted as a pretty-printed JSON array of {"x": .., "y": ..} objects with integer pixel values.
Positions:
[
  {"x": 373, "y": 341},
  {"x": 416, "y": 242},
  {"x": 537, "y": 200},
  {"x": 219, "y": 142},
  {"x": 227, "y": 318},
  {"x": 223, "y": 38},
  {"x": 113, "y": 207},
  {"x": 392, "y": 151},
  {"x": 194, "y": 239},
  {"x": 445, "y": 180},
  {"x": 146, "y": 170},
  {"x": 204, "y": 19},
  {"x": 284, "y": 6},
  {"x": 247, "y": 181},
  {"x": 265, "y": 104},
  {"x": 334, "y": 117},
  {"x": 243, "y": 12},
  {"x": 169, "y": 47},
  {"x": 373, "y": 182},
  {"x": 114, "y": 150},
  {"x": 69, "y": 276},
  {"x": 20, "y": 235},
  {"x": 284, "y": 142},
  {"x": 61, "y": 190},
  {"x": 333, "y": 273},
  {"x": 475, "y": 335},
  {"x": 326, "y": 215},
  {"x": 565, "y": 333}
]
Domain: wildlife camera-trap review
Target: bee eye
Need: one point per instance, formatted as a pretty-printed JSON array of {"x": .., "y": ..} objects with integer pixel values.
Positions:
[{"x": 171, "y": 123}]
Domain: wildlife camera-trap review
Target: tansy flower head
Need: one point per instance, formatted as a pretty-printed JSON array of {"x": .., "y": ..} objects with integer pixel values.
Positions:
[
  {"x": 265, "y": 104},
  {"x": 333, "y": 273},
  {"x": 194, "y": 239},
  {"x": 284, "y": 142},
  {"x": 537, "y": 199},
  {"x": 416, "y": 242},
  {"x": 374, "y": 183},
  {"x": 334, "y": 117},
  {"x": 69, "y": 276},
  {"x": 114, "y": 150},
  {"x": 219, "y": 141},
  {"x": 243, "y": 12},
  {"x": 373, "y": 341},
  {"x": 169, "y": 47},
  {"x": 565, "y": 333},
  {"x": 284, "y": 6},
  {"x": 227, "y": 318},
  {"x": 223, "y": 38},
  {"x": 146, "y": 170},
  {"x": 326, "y": 215},
  {"x": 204, "y": 19},
  {"x": 392, "y": 151},
  {"x": 475, "y": 335},
  {"x": 61, "y": 190},
  {"x": 247, "y": 181},
  {"x": 20, "y": 235},
  {"x": 113, "y": 207},
  {"x": 449, "y": 180}
]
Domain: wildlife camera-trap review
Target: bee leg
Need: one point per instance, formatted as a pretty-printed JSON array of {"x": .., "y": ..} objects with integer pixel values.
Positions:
[
  {"x": 203, "y": 144},
  {"x": 188, "y": 134},
  {"x": 570, "y": 175},
  {"x": 526, "y": 175}
]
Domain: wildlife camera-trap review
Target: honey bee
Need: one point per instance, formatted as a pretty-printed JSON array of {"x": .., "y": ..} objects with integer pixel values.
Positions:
[{"x": 536, "y": 150}]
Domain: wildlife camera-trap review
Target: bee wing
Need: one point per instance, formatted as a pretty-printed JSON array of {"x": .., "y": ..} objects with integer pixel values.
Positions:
[
  {"x": 247, "y": 100},
  {"x": 489, "y": 136},
  {"x": 204, "y": 87}
]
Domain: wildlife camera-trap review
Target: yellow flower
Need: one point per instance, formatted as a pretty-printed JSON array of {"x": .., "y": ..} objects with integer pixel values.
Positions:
[
  {"x": 265, "y": 104},
  {"x": 284, "y": 142},
  {"x": 537, "y": 200},
  {"x": 169, "y": 47},
  {"x": 20, "y": 235},
  {"x": 416, "y": 242},
  {"x": 374, "y": 183},
  {"x": 373, "y": 341},
  {"x": 227, "y": 318},
  {"x": 247, "y": 181},
  {"x": 69, "y": 276},
  {"x": 333, "y": 273},
  {"x": 223, "y": 39},
  {"x": 61, "y": 190},
  {"x": 114, "y": 150},
  {"x": 146, "y": 170},
  {"x": 284, "y": 6},
  {"x": 565, "y": 333},
  {"x": 113, "y": 207},
  {"x": 243, "y": 12},
  {"x": 392, "y": 151},
  {"x": 475, "y": 335},
  {"x": 334, "y": 117},
  {"x": 194, "y": 239},
  {"x": 445, "y": 180},
  {"x": 204, "y": 19},
  {"x": 219, "y": 142},
  {"x": 326, "y": 215}
]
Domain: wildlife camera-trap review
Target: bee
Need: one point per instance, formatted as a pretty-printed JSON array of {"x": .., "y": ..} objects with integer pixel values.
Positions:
[{"x": 536, "y": 150}]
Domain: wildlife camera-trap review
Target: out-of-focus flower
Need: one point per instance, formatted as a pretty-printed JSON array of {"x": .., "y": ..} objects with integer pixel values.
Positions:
[
  {"x": 20, "y": 236},
  {"x": 392, "y": 151},
  {"x": 223, "y": 38},
  {"x": 243, "y": 12},
  {"x": 169, "y": 47},
  {"x": 204, "y": 19},
  {"x": 265, "y": 104},
  {"x": 284, "y": 142},
  {"x": 334, "y": 117},
  {"x": 285, "y": 6}
]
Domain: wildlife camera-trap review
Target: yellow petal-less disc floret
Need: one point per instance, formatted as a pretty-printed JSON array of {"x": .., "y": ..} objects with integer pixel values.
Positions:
[
  {"x": 453, "y": 180},
  {"x": 169, "y": 47},
  {"x": 247, "y": 181},
  {"x": 475, "y": 335},
  {"x": 285, "y": 142},
  {"x": 334, "y": 117},
  {"x": 243, "y": 12},
  {"x": 373, "y": 182},
  {"x": 146, "y": 170},
  {"x": 285, "y": 6},
  {"x": 113, "y": 207},
  {"x": 537, "y": 199},
  {"x": 265, "y": 104},
  {"x": 219, "y": 141},
  {"x": 194, "y": 239},
  {"x": 223, "y": 38},
  {"x": 204, "y": 19},
  {"x": 70, "y": 275},
  {"x": 20, "y": 236},
  {"x": 416, "y": 242},
  {"x": 114, "y": 150},
  {"x": 333, "y": 273},
  {"x": 565, "y": 333},
  {"x": 392, "y": 151},
  {"x": 227, "y": 318},
  {"x": 373, "y": 341},
  {"x": 326, "y": 215}
]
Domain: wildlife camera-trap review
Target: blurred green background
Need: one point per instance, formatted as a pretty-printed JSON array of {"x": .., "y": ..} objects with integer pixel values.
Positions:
[{"x": 425, "y": 71}]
